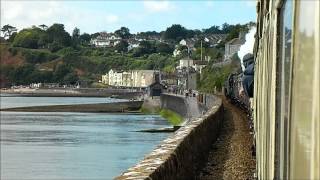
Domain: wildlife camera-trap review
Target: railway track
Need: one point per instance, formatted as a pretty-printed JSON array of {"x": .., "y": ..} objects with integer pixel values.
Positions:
[{"x": 230, "y": 156}]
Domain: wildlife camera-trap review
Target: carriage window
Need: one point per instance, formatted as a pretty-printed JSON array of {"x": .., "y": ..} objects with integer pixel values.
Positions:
[
  {"x": 283, "y": 83},
  {"x": 304, "y": 110}
]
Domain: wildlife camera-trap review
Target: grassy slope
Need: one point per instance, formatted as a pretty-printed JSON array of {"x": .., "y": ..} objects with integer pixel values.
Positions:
[{"x": 174, "y": 118}]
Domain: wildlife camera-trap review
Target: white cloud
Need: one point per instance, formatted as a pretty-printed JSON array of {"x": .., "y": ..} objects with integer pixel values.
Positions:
[
  {"x": 112, "y": 18},
  {"x": 23, "y": 14},
  {"x": 157, "y": 6}
]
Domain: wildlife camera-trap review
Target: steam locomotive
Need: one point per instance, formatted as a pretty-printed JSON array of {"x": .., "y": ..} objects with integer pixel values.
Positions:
[{"x": 234, "y": 89}]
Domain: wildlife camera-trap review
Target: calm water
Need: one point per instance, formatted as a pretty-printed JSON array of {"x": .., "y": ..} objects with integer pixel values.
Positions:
[
  {"x": 73, "y": 145},
  {"x": 11, "y": 101}
]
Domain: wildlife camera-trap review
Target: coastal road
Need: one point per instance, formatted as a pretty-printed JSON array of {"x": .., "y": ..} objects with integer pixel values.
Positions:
[{"x": 230, "y": 156}]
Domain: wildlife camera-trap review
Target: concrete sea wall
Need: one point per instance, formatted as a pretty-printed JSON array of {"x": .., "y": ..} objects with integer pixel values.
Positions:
[
  {"x": 178, "y": 156},
  {"x": 177, "y": 104}
]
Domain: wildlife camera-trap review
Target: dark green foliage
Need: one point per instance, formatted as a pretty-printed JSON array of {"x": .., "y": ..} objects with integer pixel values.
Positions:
[
  {"x": 66, "y": 51},
  {"x": 213, "y": 30},
  {"x": 94, "y": 35},
  {"x": 11, "y": 38},
  {"x": 43, "y": 27},
  {"x": 35, "y": 57},
  {"x": 85, "y": 38},
  {"x": 28, "y": 38},
  {"x": 213, "y": 52},
  {"x": 13, "y": 51},
  {"x": 24, "y": 75},
  {"x": 56, "y": 33},
  {"x": 176, "y": 32},
  {"x": 122, "y": 46},
  {"x": 164, "y": 48},
  {"x": 145, "y": 47},
  {"x": 60, "y": 71},
  {"x": 123, "y": 32},
  {"x": 8, "y": 30},
  {"x": 55, "y": 46},
  {"x": 234, "y": 30},
  {"x": 214, "y": 77},
  {"x": 70, "y": 78},
  {"x": 146, "y": 34}
]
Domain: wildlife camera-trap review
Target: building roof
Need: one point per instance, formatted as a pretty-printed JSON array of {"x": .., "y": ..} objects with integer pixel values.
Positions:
[
  {"x": 236, "y": 41},
  {"x": 186, "y": 59},
  {"x": 201, "y": 62}
]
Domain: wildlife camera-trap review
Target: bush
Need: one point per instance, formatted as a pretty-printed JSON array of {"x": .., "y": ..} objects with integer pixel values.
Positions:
[
  {"x": 54, "y": 47},
  {"x": 28, "y": 38},
  {"x": 66, "y": 51},
  {"x": 35, "y": 57},
  {"x": 13, "y": 51}
]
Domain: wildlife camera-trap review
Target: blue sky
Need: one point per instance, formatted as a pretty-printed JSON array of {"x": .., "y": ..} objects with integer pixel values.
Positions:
[{"x": 137, "y": 15}]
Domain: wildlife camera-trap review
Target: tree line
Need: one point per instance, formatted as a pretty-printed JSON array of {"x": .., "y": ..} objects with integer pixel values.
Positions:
[{"x": 76, "y": 60}]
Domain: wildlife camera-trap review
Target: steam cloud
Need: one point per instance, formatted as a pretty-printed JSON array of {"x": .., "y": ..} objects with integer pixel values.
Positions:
[{"x": 247, "y": 47}]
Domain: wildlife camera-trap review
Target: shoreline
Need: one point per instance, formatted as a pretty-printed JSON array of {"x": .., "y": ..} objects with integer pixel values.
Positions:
[{"x": 60, "y": 92}]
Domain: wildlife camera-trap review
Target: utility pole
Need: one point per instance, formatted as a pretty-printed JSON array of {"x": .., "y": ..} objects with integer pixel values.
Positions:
[{"x": 201, "y": 49}]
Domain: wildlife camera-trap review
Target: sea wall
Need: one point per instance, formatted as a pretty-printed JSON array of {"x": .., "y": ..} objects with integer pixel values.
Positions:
[
  {"x": 178, "y": 156},
  {"x": 174, "y": 103}
]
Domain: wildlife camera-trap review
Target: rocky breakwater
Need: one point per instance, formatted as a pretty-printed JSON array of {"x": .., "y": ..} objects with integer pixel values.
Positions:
[{"x": 178, "y": 156}]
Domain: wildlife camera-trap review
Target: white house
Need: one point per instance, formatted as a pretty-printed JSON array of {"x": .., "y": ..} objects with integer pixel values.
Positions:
[
  {"x": 176, "y": 52},
  {"x": 105, "y": 79},
  {"x": 183, "y": 42},
  {"x": 186, "y": 62},
  {"x": 105, "y": 40},
  {"x": 134, "y": 78}
]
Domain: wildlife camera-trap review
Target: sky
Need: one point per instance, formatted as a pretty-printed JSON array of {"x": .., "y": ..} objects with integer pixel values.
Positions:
[{"x": 137, "y": 15}]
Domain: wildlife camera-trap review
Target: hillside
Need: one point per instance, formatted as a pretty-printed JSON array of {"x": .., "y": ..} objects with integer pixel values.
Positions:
[
  {"x": 52, "y": 55},
  {"x": 70, "y": 65}
]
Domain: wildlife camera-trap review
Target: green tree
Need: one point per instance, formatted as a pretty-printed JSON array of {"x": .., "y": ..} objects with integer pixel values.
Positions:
[
  {"x": 57, "y": 33},
  {"x": 8, "y": 30},
  {"x": 70, "y": 78},
  {"x": 164, "y": 48},
  {"x": 76, "y": 33},
  {"x": 145, "y": 47},
  {"x": 85, "y": 38},
  {"x": 123, "y": 32},
  {"x": 175, "y": 32},
  {"x": 75, "y": 37},
  {"x": 122, "y": 46},
  {"x": 13, "y": 35},
  {"x": 60, "y": 72},
  {"x": 55, "y": 46},
  {"x": 43, "y": 27},
  {"x": 213, "y": 30},
  {"x": 28, "y": 38}
]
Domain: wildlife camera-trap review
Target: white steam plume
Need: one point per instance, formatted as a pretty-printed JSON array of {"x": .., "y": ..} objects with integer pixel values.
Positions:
[{"x": 247, "y": 47}]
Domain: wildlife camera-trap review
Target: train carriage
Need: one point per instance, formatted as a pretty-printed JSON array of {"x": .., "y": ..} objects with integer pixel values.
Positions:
[{"x": 286, "y": 89}]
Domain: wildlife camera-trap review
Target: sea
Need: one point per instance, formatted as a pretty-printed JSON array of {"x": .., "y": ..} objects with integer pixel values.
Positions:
[{"x": 60, "y": 145}]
